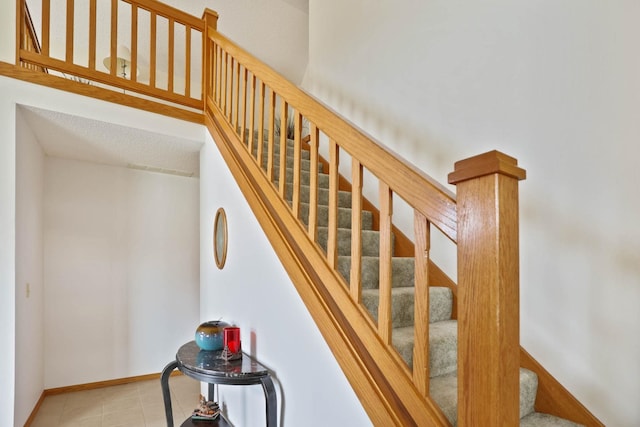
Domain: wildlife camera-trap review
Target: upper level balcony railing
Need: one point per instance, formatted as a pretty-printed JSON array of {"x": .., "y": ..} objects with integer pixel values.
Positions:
[{"x": 142, "y": 48}]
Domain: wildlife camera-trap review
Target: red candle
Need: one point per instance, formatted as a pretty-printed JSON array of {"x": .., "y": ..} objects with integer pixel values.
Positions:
[{"x": 232, "y": 339}]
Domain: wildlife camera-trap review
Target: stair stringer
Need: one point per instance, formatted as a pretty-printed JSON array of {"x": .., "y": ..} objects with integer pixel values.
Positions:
[{"x": 378, "y": 376}]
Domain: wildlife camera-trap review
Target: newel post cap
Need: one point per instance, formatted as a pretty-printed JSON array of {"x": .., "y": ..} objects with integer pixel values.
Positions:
[
  {"x": 488, "y": 163},
  {"x": 210, "y": 17}
]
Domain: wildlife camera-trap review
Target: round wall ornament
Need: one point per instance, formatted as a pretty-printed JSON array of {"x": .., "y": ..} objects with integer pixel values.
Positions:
[{"x": 220, "y": 238}]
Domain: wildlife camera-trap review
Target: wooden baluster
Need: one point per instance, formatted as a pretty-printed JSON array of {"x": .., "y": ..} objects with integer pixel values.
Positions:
[
  {"x": 384, "y": 307},
  {"x": 211, "y": 76},
  {"x": 228, "y": 85},
  {"x": 219, "y": 59},
  {"x": 272, "y": 142},
  {"x": 113, "y": 65},
  {"x": 225, "y": 85},
  {"x": 70, "y": 26},
  {"x": 488, "y": 290},
  {"x": 171, "y": 59},
  {"x": 282, "y": 177},
  {"x": 232, "y": 75},
  {"x": 134, "y": 42},
  {"x": 421, "y": 304},
  {"x": 187, "y": 61},
  {"x": 252, "y": 106},
  {"x": 46, "y": 26},
  {"x": 313, "y": 182},
  {"x": 243, "y": 122},
  {"x": 152, "y": 50},
  {"x": 213, "y": 48},
  {"x": 261, "y": 96},
  {"x": 332, "y": 242},
  {"x": 236, "y": 91},
  {"x": 23, "y": 40},
  {"x": 297, "y": 125},
  {"x": 355, "y": 278}
]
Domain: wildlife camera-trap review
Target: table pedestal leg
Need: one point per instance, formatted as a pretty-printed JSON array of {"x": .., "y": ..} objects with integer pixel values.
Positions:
[
  {"x": 166, "y": 394},
  {"x": 271, "y": 400}
]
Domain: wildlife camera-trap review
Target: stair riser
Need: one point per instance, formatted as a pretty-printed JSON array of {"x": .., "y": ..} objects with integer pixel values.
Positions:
[
  {"x": 401, "y": 308},
  {"x": 370, "y": 241},
  {"x": 402, "y": 271},
  {"x": 444, "y": 391},
  {"x": 276, "y": 150},
  {"x": 323, "y": 179},
  {"x": 344, "y": 217},
  {"x": 305, "y": 164},
  {"x": 402, "y": 305},
  {"x": 344, "y": 197}
]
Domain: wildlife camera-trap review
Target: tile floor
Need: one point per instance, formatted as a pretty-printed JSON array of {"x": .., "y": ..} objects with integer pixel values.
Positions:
[{"x": 137, "y": 404}]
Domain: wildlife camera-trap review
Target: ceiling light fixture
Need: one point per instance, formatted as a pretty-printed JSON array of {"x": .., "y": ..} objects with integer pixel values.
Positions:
[{"x": 123, "y": 62}]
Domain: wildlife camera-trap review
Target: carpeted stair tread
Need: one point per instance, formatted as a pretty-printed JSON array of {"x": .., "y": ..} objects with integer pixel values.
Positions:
[
  {"x": 344, "y": 217},
  {"x": 370, "y": 241},
  {"x": 444, "y": 391},
  {"x": 443, "y": 345},
  {"x": 538, "y": 419},
  {"x": 402, "y": 305}
]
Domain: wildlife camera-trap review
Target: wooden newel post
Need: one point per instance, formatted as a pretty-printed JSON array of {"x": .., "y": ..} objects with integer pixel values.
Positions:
[
  {"x": 488, "y": 290},
  {"x": 210, "y": 18}
]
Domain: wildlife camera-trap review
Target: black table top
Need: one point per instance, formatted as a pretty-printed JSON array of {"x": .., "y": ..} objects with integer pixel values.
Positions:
[{"x": 209, "y": 363}]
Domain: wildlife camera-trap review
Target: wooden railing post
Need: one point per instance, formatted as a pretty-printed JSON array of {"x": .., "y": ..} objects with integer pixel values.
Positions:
[
  {"x": 210, "y": 18},
  {"x": 488, "y": 290}
]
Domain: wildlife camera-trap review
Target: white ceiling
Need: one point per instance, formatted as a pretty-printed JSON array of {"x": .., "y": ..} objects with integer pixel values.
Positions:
[{"x": 77, "y": 138}]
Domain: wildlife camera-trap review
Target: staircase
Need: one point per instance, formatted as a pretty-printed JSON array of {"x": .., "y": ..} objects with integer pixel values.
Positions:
[
  {"x": 403, "y": 366},
  {"x": 443, "y": 329}
]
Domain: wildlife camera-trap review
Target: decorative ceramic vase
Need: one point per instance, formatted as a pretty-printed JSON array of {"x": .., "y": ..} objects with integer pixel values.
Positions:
[{"x": 209, "y": 335}]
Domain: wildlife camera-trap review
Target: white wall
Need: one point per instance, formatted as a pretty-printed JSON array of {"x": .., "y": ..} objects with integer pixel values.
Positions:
[
  {"x": 8, "y": 31},
  {"x": 7, "y": 254},
  {"x": 254, "y": 292},
  {"x": 555, "y": 84},
  {"x": 121, "y": 270},
  {"x": 29, "y": 282},
  {"x": 275, "y": 31}
]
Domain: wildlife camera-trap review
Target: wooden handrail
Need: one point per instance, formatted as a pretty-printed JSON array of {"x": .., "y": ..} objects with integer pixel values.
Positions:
[
  {"x": 420, "y": 190},
  {"x": 167, "y": 11}
]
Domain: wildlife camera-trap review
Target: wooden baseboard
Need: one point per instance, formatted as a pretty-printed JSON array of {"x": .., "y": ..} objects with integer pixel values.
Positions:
[
  {"x": 106, "y": 383},
  {"x": 35, "y": 410},
  {"x": 90, "y": 386}
]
